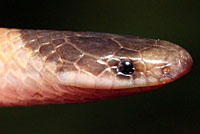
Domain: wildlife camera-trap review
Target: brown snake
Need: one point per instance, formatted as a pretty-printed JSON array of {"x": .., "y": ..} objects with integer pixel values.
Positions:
[{"x": 50, "y": 67}]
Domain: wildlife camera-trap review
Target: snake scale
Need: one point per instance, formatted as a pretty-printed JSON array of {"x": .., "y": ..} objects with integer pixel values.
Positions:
[{"x": 50, "y": 67}]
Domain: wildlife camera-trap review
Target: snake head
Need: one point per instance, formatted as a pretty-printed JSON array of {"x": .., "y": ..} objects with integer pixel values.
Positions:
[
  {"x": 119, "y": 64},
  {"x": 46, "y": 66},
  {"x": 149, "y": 66}
]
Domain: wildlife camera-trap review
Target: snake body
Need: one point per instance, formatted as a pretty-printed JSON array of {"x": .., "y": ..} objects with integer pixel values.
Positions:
[{"x": 50, "y": 67}]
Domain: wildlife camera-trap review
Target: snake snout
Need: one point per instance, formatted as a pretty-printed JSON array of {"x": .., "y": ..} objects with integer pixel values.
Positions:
[
  {"x": 181, "y": 63},
  {"x": 178, "y": 60},
  {"x": 166, "y": 62}
]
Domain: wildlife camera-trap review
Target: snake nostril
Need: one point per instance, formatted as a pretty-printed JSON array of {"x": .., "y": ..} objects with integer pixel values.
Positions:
[
  {"x": 166, "y": 70},
  {"x": 125, "y": 67}
]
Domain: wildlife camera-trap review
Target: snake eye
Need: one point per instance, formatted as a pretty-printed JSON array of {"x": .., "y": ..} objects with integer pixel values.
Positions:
[{"x": 126, "y": 67}]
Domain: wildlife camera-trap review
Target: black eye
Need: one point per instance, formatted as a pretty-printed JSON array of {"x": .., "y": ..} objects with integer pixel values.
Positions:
[{"x": 125, "y": 67}]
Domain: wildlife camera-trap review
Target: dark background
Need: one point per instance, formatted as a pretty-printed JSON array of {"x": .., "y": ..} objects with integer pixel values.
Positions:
[{"x": 173, "y": 109}]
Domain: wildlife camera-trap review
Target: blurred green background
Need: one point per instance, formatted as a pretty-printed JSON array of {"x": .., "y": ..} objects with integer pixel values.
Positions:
[{"x": 173, "y": 109}]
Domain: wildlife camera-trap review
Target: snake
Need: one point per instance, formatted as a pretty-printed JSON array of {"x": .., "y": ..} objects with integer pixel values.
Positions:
[{"x": 40, "y": 67}]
